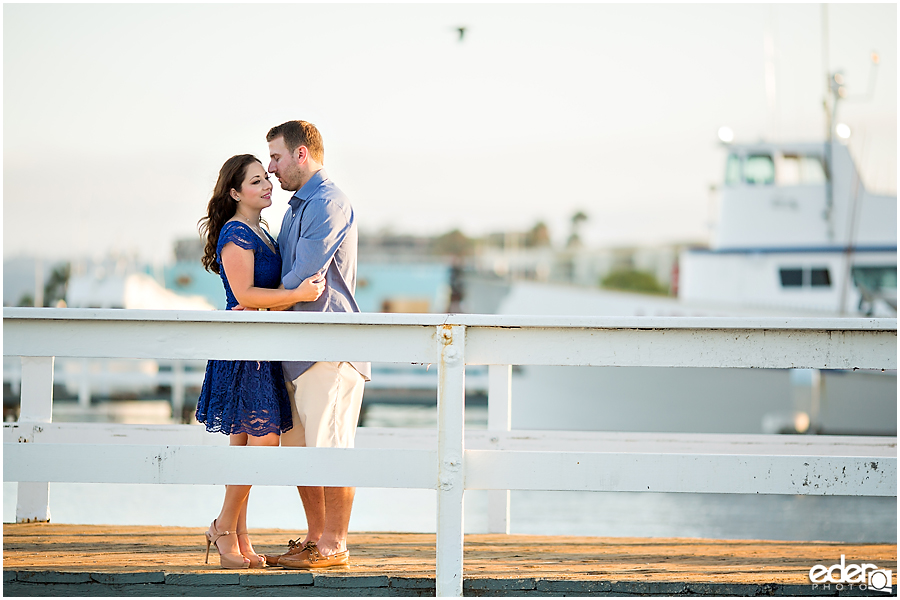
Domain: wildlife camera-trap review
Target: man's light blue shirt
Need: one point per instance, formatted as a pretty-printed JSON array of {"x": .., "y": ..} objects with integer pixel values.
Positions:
[{"x": 319, "y": 234}]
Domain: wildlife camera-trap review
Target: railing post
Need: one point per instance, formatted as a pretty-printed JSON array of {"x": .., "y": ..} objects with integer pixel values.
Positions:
[
  {"x": 451, "y": 475},
  {"x": 35, "y": 405},
  {"x": 499, "y": 419},
  {"x": 177, "y": 391},
  {"x": 815, "y": 401},
  {"x": 84, "y": 384},
  {"x": 806, "y": 385}
]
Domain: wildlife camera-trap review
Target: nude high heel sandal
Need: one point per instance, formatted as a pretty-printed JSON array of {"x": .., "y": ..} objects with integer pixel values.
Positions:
[
  {"x": 229, "y": 560},
  {"x": 257, "y": 561}
]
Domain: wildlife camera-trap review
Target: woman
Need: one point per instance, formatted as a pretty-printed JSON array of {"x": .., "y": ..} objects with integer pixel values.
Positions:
[{"x": 245, "y": 399}]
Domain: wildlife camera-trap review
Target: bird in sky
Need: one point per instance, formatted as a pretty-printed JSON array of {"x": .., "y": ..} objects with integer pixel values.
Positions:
[{"x": 462, "y": 33}]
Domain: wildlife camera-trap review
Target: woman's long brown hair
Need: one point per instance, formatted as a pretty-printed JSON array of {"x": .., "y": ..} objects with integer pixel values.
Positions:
[{"x": 222, "y": 206}]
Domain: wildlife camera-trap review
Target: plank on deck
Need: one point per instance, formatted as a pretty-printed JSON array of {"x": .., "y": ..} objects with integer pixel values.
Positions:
[{"x": 81, "y": 559}]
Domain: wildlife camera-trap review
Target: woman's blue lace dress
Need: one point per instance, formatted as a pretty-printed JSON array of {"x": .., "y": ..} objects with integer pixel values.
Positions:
[{"x": 241, "y": 396}]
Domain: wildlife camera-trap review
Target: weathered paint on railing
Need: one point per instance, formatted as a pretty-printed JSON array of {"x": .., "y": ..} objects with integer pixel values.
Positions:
[
  {"x": 451, "y": 342},
  {"x": 483, "y": 469}
]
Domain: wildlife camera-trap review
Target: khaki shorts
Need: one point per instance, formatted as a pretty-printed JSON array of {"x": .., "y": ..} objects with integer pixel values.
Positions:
[{"x": 325, "y": 403}]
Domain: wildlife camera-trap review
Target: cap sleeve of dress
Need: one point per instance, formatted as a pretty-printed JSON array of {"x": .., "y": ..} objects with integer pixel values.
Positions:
[{"x": 240, "y": 234}]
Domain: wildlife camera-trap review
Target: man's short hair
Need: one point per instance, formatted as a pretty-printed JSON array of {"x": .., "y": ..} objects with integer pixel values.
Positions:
[{"x": 300, "y": 133}]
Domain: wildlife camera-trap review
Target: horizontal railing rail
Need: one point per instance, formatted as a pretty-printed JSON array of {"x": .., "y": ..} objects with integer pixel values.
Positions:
[
  {"x": 449, "y": 460},
  {"x": 91, "y": 378},
  {"x": 478, "y": 439},
  {"x": 484, "y": 469},
  {"x": 490, "y": 339}
]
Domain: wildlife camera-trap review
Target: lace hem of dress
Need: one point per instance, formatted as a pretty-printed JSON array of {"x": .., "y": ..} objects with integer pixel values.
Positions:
[
  {"x": 265, "y": 427},
  {"x": 244, "y": 397}
]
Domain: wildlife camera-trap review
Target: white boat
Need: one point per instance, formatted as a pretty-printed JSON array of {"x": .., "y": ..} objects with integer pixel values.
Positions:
[
  {"x": 790, "y": 237},
  {"x": 790, "y": 241}
]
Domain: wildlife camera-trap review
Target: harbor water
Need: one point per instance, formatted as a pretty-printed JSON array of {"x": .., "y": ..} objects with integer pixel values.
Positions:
[{"x": 613, "y": 514}]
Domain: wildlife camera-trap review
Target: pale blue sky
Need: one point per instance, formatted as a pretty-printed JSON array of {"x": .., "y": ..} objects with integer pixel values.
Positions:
[{"x": 117, "y": 117}]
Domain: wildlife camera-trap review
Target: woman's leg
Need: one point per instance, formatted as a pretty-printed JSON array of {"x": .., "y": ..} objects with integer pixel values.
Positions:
[
  {"x": 235, "y": 501},
  {"x": 246, "y": 547}
]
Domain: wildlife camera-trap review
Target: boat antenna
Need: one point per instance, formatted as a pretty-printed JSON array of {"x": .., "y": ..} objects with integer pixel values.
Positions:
[
  {"x": 837, "y": 91},
  {"x": 829, "y": 123}
]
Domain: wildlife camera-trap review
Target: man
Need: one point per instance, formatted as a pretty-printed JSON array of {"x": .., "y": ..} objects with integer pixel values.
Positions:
[{"x": 318, "y": 235}]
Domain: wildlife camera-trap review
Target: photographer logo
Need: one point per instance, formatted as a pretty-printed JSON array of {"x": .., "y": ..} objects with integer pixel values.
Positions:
[{"x": 864, "y": 576}]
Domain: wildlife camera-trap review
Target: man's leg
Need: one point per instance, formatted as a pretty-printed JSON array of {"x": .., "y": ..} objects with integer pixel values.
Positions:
[
  {"x": 313, "y": 499},
  {"x": 339, "y": 500},
  {"x": 328, "y": 398},
  {"x": 338, "y": 504}
]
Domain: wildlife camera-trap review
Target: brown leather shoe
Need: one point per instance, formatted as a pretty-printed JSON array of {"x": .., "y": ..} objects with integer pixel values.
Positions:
[
  {"x": 311, "y": 559},
  {"x": 294, "y": 548}
]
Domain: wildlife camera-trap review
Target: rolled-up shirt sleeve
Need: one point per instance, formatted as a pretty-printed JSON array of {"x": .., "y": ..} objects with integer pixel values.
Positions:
[{"x": 323, "y": 229}]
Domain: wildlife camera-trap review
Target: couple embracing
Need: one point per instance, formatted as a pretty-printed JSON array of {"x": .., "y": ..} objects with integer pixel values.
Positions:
[{"x": 311, "y": 266}]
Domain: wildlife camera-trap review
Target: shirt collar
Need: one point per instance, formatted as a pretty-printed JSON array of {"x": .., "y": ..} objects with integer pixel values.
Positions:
[{"x": 306, "y": 192}]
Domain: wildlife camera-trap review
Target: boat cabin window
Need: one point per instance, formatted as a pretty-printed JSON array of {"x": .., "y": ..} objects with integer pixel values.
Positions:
[
  {"x": 798, "y": 277},
  {"x": 795, "y": 169},
  {"x": 759, "y": 169},
  {"x": 819, "y": 278},
  {"x": 875, "y": 279},
  {"x": 733, "y": 170},
  {"x": 791, "y": 277}
]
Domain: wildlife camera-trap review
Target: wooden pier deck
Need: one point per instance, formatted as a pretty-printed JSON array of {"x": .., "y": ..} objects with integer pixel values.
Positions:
[{"x": 44, "y": 559}]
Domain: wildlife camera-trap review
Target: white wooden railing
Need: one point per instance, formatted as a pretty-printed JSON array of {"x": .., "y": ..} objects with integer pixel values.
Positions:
[
  {"x": 90, "y": 376},
  {"x": 450, "y": 460}
]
